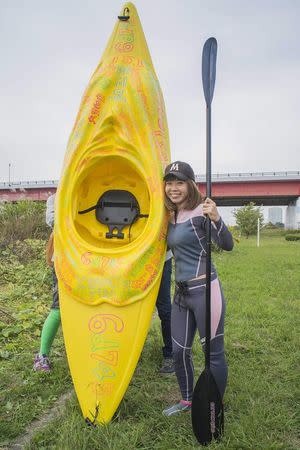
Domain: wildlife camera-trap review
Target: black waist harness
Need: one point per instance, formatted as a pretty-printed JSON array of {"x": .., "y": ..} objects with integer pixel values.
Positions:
[
  {"x": 182, "y": 287},
  {"x": 182, "y": 291}
]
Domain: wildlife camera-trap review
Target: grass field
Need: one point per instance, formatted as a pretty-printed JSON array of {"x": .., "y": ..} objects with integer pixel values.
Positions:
[{"x": 262, "y": 287}]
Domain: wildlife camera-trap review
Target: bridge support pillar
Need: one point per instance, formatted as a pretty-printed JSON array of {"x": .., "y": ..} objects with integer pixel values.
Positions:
[{"x": 292, "y": 217}]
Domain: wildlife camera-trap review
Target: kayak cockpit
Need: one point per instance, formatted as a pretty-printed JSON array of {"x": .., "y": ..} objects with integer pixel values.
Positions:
[{"x": 111, "y": 203}]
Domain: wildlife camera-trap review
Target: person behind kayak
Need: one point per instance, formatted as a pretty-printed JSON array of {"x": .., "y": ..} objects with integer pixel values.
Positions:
[
  {"x": 187, "y": 240},
  {"x": 53, "y": 320},
  {"x": 164, "y": 308}
]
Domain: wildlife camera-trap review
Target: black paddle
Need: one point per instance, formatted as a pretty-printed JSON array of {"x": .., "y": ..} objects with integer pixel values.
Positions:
[{"x": 207, "y": 405}]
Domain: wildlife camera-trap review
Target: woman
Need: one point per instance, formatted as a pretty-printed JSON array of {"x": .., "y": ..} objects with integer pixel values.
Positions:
[{"x": 187, "y": 240}]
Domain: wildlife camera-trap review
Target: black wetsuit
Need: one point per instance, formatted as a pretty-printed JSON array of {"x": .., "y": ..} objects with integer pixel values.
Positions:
[{"x": 187, "y": 240}]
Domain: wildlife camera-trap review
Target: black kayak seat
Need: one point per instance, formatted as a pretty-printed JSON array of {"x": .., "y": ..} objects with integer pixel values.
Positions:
[{"x": 117, "y": 209}]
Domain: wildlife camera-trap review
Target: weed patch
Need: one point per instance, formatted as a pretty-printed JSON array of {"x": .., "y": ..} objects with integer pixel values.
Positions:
[{"x": 22, "y": 220}]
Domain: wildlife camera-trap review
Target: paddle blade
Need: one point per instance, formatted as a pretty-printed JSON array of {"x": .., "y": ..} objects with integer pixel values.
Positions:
[
  {"x": 209, "y": 59},
  {"x": 207, "y": 409}
]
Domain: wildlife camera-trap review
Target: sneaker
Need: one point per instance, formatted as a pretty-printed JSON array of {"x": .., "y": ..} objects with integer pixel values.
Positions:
[
  {"x": 178, "y": 408},
  {"x": 167, "y": 366},
  {"x": 41, "y": 363}
]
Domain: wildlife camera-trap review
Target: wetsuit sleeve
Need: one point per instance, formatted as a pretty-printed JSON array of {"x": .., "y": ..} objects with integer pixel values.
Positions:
[{"x": 221, "y": 235}]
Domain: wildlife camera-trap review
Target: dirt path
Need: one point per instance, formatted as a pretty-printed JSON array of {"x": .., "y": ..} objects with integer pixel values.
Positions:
[{"x": 37, "y": 425}]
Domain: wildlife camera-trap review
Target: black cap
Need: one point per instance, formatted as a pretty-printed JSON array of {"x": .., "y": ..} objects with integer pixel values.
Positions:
[{"x": 180, "y": 170}]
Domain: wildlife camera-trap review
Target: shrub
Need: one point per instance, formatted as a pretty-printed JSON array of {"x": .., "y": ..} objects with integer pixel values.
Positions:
[
  {"x": 292, "y": 237},
  {"x": 247, "y": 217},
  {"x": 22, "y": 220}
]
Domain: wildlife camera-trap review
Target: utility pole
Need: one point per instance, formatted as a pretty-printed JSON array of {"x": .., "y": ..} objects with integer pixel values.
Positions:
[{"x": 9, "y": 165}]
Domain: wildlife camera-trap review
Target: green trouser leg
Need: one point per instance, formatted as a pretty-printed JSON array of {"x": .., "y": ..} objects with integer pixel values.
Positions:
[{"x": 49, "y": 331}]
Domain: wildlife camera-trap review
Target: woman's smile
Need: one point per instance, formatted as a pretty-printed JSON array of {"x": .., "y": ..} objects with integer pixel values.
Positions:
[{"x": 177, "y": 191}]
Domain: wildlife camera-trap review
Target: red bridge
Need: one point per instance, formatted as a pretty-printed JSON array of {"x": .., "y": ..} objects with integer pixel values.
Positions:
[
  {"x": 231, "y": 189},
  {"x": 265, "y": 188}
]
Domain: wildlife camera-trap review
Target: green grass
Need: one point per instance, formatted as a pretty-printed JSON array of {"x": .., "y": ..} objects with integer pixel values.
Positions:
[
  {"x": 262, "y": 288},
  {"x": 25, "y": 296}
]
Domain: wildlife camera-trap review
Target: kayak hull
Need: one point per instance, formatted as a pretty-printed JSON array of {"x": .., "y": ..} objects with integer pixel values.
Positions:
[
  {"x": 107, "y": 345},
  {"x": 108, "y": 271}
]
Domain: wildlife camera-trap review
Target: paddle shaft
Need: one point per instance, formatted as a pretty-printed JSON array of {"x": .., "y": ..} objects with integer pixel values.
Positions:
[
  {"x": 207, "y": 406},
  {"x": 208, "y": 240}
]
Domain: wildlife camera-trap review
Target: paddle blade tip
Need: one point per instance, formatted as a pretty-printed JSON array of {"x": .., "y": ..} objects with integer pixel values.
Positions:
[
  {"x": 209, "y": 60},
  {"x": 207, "y": 409}
]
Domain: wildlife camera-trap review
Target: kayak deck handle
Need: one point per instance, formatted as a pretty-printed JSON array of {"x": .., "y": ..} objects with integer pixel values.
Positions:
[{"x": 125, "y": 15}]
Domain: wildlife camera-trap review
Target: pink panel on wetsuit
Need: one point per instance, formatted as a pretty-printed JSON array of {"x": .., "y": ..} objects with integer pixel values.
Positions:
[
  {"x": 216, "y": 306},
  {"x": 185, "y": 215}
]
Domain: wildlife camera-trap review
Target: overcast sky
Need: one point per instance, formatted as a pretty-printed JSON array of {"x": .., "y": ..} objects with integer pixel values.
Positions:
[{"x": 50, "y": 49}]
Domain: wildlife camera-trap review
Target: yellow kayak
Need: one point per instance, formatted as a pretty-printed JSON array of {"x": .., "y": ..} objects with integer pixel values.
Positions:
[{"x": 110, "y": 221}]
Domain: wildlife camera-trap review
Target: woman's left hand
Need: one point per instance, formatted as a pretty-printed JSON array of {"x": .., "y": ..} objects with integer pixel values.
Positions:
[{"x": 210, "y": 209}]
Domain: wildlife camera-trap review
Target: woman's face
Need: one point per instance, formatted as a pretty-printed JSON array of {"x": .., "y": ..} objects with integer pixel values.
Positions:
[{"x": 177, "y": 192}]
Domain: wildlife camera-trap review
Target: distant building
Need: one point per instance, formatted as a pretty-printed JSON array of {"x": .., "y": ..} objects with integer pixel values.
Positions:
[{"x": 275, "y": 215}]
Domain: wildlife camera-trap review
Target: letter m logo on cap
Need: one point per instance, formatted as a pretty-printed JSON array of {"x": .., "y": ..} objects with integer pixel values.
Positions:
[{"x": 174, "y": 167}]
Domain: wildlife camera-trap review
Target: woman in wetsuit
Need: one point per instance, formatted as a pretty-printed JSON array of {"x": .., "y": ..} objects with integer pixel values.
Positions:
[{"x": 187, "y": 240}]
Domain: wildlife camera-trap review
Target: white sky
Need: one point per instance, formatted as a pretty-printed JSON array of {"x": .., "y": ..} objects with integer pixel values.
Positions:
[{"x": 50, "y": 49}]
